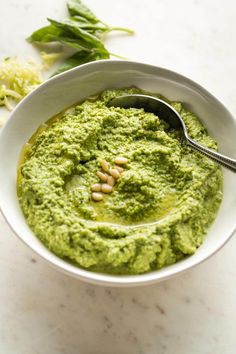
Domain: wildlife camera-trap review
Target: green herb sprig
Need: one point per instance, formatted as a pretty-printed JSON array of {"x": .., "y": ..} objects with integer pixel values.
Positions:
[{"x": 82, "y": 31}]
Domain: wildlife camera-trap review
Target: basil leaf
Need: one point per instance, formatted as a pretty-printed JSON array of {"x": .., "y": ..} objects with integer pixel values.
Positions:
[
  {"x": 71, "y": 28},
  {"x": 42, "y": 36},
  {"x": 76, "y": 7},
  {"x": 45, "y": 34},
  {"x": 82, "y": 31},
  {"x": 75, "y": 43},
  {"x": 78, "y": 59}
]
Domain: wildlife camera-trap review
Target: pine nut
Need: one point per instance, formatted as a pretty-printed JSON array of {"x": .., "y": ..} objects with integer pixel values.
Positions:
[
  {"x": 114, "y": 173},
  {"x": 111, "y": 181},
  {"x": 97, "y": 197},
  {"x": 120, "y": 169},
  {"x": 106, "y": 188},
  {"x": 120, "y": 160},
  {"x": 105, "y": 166},
  {"x": 102, "y": 176},
  {"x": 96, "y": 187}
]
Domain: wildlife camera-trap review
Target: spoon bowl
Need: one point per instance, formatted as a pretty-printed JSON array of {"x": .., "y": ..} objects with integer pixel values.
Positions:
[{"x": 166, "y": 112}]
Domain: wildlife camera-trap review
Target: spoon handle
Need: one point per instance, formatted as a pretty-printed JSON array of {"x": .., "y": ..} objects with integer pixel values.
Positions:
[{"x": 214, "y": 155}]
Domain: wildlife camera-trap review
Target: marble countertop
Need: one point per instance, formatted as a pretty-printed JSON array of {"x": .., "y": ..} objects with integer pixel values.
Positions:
[{"x": 44, "y": 311}]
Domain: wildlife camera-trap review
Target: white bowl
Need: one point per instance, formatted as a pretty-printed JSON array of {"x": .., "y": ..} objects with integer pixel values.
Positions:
[{"x": 68, "y": 88}]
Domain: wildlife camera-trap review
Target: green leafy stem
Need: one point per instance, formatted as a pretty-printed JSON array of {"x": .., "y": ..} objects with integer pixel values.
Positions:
[{"x": 82, "y": 31}]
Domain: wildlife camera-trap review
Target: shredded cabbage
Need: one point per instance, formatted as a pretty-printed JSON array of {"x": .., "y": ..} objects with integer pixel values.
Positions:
[{"x": 17, "y": 79}]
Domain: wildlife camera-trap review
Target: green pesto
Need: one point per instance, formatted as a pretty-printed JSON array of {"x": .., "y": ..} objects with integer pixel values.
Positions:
[{"x": 161, "y": 206}]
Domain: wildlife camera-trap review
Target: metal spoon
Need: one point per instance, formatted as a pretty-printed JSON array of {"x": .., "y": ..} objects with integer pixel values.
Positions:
[{"x": 165, "y": 111}]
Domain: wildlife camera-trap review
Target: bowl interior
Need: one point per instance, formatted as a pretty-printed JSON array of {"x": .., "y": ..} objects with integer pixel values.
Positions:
[{"x": 66, "y": 89}]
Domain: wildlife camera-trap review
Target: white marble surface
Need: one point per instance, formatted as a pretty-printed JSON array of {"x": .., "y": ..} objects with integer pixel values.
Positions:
[{"x": 43, "y": 311}]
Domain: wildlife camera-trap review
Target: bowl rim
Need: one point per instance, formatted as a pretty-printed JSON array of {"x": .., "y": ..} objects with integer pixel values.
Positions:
[{"x": 102, "y": 278}]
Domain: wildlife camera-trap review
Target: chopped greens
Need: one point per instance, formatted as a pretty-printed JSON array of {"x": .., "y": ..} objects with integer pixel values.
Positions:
[{"x": 82, "y": 32}]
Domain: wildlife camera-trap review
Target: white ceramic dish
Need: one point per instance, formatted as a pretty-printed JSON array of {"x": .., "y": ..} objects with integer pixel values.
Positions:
[{"x": 68, "y": 88}]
